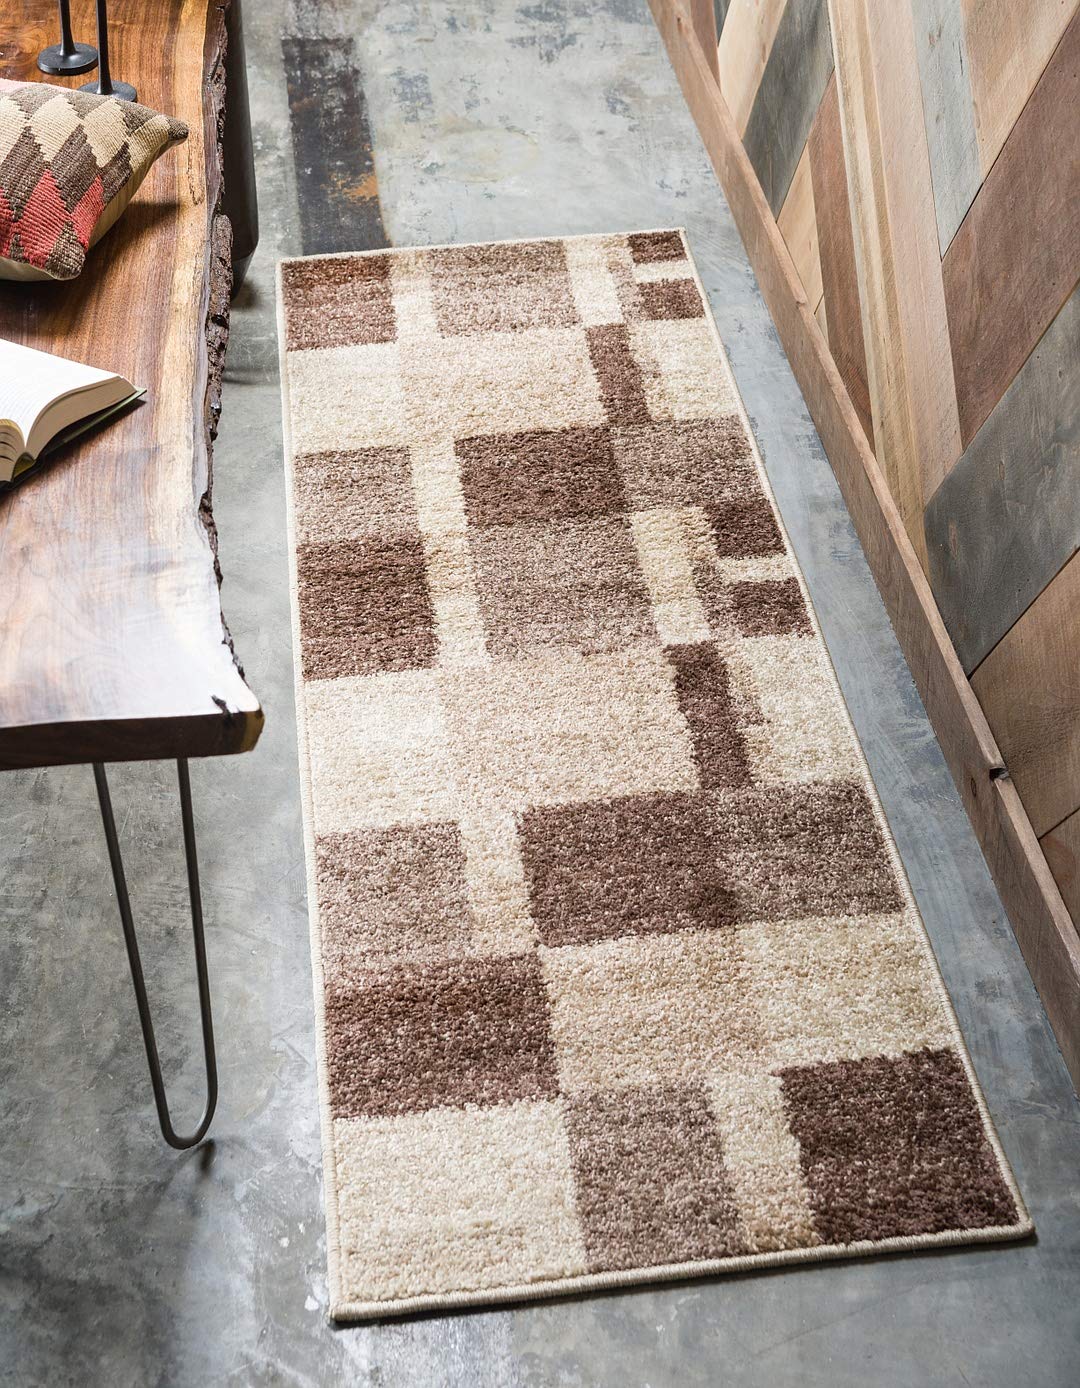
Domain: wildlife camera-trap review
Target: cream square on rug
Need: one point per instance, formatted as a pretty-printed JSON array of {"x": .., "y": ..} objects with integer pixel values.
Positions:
[{"x": 618, "y": 976}]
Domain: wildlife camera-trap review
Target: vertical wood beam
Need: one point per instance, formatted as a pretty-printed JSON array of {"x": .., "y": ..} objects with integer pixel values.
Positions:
[
  {"x": 836, "y": 252},
  {"x": 905, "y": 329}
]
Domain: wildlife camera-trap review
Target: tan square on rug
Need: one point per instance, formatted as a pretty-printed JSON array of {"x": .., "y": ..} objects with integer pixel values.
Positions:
[{"x": 618, "y": 976}]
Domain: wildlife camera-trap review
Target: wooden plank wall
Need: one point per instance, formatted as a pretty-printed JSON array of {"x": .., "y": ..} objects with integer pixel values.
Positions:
[{"x": 906, "y": 176}]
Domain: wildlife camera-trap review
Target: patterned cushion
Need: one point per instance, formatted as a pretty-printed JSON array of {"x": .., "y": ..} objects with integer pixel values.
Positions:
[{"x": 70, "y": 162}]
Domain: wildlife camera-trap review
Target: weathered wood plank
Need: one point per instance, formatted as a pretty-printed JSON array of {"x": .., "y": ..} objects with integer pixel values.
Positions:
[
  {"x": 1043, "y": 927},
  {"x": 1029, "y": 688},
  {"x": 746, "y": 40},
  {"x": 1008, "y": 45},
  {"x": 949, "y": 109},
  {"x": 703, "y": 15},
  {"x": 1062, "y": 848},
  {"x": 114, "y": 645},
  {"x": 821, "y": 318},
  {"x": 1007, "y": 518},
  {"x": 332, "y": 148},
  {"x": 1016, "y": 258},
  {"x": 979, "y": 61},
  {"x": 836, "y": 253},
  {"x": 792, "y": 85},
  {"x": 798, "y": 226},
  {"x": 905, "y": 331}
]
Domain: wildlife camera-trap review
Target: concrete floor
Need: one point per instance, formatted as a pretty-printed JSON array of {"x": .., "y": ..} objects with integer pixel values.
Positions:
[{"x": 122, "y": 1263}]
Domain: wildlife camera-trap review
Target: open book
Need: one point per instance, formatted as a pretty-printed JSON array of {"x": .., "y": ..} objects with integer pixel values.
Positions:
[{"x": 46, "y": 401}]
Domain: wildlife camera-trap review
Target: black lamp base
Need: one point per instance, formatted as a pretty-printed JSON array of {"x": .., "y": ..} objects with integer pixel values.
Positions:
[
  {"x": 82, "y": 57},
  {"x": 123, "y": 91}
]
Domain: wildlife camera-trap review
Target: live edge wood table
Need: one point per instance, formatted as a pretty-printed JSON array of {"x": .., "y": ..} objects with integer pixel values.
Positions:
[{"x": 112, "y": 642}]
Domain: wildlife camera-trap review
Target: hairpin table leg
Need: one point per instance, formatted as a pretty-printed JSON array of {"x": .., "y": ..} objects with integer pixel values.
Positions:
[{"x": 145, "y": 1020}]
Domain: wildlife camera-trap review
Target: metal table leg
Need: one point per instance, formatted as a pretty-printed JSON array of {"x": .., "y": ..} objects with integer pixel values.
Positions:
[{"x": 145, "y": 1020}]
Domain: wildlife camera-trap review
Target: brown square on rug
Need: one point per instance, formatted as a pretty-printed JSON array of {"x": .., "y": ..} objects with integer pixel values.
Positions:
[{"x": 618, "y": 976}]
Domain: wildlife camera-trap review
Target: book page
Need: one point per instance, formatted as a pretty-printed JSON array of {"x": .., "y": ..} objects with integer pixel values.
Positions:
[{"x": 30, "y": 381}]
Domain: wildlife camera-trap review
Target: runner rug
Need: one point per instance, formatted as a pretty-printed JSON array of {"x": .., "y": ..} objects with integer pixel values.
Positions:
[{"x": 618, "y": 976}]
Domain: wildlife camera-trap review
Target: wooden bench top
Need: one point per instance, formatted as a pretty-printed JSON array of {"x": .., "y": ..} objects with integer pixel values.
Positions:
[{"x": 112, "y": 641}]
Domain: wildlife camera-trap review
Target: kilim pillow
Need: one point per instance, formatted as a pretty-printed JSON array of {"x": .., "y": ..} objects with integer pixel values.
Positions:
[{"x": 70, "y": 162}]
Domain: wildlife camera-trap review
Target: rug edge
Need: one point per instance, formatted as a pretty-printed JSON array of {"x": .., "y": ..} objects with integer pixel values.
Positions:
[
  {"x": 326, "y": 1118},
  {"x": 469, "y": 245},
  {"x": 352, "y": 1312}
]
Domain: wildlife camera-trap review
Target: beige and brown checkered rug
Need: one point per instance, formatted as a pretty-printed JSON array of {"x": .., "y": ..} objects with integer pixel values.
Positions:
[{"x": 618, "y": 975}]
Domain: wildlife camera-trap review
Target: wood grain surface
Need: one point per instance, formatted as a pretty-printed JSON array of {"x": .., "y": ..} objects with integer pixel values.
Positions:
[
  {"x": 836, "y": 254},
  {"x": 788, "y": 96},
  {"x": 704, "y": 16},
  {"x": 1038, "y": 914},
  {"x": 1007, "y": 518},
  {"x": 114, "y": 644},
  {"x": 909, "y": 368},
  {"x": 949, "y": 109},
  {"x": 1062, "y": 848},
  {"x": 1008, "y": 45},
  {"x": 798, "y": 225},
  {"x": 1029, "y": 686},
  {"x": 746, "y": 41},
  {"x": 979, "y": 61},
  {"x": 1016, "y": 258}
]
